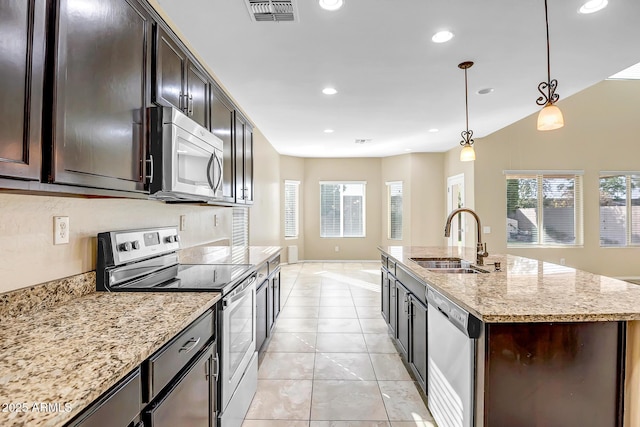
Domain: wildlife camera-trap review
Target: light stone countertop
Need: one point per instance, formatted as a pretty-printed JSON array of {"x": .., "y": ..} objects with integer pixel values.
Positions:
[
  {"x": 526, "y": 290},
  {"x": 75, "y": 351},
  {"x": 207, "y": 254}
]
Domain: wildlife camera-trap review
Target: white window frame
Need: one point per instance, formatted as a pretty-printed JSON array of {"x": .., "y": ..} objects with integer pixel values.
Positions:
[
  {"x": 390, "y": 185},
  {"x": 364, "y": 209},
  {"x": 629, "y": 206},
  {"x": 296, "y": 209},
  {"x": 578, "y": 211}
]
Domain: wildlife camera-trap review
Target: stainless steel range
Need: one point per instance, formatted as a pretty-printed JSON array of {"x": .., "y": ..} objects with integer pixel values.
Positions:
[{"x": 146, "y": 260}]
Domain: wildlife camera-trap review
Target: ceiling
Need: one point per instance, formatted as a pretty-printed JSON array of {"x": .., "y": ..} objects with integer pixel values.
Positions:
[{"x": 394, "y": 84}]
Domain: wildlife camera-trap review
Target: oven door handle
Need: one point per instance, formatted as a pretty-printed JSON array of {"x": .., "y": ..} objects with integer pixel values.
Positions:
[{"x": 240, "y": 292}]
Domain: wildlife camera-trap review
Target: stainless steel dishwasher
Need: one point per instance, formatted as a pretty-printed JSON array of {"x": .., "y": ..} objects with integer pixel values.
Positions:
[{"x": 452, "y": 334}]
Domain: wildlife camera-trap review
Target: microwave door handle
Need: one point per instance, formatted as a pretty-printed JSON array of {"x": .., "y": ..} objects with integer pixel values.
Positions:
[
  {"x": 217, "y": 186},
  {"x": 208, "y": 172}
]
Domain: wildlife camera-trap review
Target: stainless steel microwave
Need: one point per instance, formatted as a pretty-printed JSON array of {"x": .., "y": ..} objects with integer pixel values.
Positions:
[{"x": 185, "y": 159}]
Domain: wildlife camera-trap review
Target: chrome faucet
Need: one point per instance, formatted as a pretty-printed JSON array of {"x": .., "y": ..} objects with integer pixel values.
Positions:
[{"x": 481, "y": 250}]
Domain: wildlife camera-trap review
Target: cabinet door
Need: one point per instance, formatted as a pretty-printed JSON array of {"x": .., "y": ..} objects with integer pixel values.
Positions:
[
  {"x": 197, "y": 95},
  {"x": 101, "y": 94},
  {"x": 393, "y": 306},
  {"x": 403, "y": 310},
  {"x": 384, "y": 284},
  {"x": 222, "y": 123},
  {"x": 248, "y": 164},
  {"x": 276, "y": 294},
  {"x": 22, "y": 28},
  {"x": 261, "y": 314},
  {"x": 170, "y": 63},
  {"x": 238, "y": 140},
  {"x": 418, "y": 340}
]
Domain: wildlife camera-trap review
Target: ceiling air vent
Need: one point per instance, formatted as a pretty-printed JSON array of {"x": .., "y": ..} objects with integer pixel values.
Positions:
[
  {"x": 272, "y": 10},
  {"x": 363, "y": 141}
]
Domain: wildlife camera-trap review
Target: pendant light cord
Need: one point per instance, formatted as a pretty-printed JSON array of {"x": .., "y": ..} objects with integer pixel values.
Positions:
[
  {"x": 546, "y": 20},
  {"x": 466, "y": 98}
]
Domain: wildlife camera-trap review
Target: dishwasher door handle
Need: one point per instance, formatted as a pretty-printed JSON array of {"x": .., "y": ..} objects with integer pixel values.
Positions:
[{"x": 443, "y": 312}]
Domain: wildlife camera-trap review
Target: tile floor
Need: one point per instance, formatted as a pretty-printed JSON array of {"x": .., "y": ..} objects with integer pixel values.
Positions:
[{"x": 330, "y": 361}]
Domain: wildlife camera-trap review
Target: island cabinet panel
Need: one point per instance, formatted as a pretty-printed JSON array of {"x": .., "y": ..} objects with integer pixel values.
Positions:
[
  {"x": 554, "y": 374},
  {"x": 384, "y": 285},
  {"x": 393, "y": 307},
  {"x": 22, "y": 22},
  {"x": 418, "y": 347},
  {"x": 632, "y": 374},
  {"x": 403, "y": 309},
  {"x": 101, "y": 75}
]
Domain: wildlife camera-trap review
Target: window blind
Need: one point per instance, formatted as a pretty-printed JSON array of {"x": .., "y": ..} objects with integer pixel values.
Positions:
[
  {"x": 291, "y": 203},
  {"x": 619, "y": 209},
  {"x": 394, "y": 193},
  {"x": 544, "y": 209},
  {"x": 342, "y": 209},
  {"x": 240, "y": 227}
]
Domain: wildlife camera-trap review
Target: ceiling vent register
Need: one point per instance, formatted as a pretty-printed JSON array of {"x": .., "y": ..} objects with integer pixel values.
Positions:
[{"x": 272, "y": 10}]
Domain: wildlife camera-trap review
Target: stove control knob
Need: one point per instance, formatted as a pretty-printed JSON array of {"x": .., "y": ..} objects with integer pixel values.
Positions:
[
  {"x": 135, "y": 244},
  {"x": 125, "y": 247},
  {"x": 176, "y": 238},
  {"x": 169, "y": 239}
]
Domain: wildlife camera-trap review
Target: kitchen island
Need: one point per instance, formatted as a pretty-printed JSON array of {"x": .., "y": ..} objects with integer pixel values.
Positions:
[{"x": 558, "y": 346}]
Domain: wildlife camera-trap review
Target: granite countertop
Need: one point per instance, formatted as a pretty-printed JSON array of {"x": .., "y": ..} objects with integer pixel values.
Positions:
[
  {"x": 526, "y": 290},
  {"x": 206, "y": 254},
  {"x": 72, "y": 353}
]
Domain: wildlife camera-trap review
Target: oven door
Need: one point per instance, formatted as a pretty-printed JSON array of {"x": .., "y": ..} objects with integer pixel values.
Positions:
[{"x": 238, "y": 335}]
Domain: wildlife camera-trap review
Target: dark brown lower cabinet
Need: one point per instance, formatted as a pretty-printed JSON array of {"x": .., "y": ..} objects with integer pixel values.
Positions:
[
  {"x": 262, "y": 323},
  {"x": 393, "y": 315},
  {"x": 384, "y": 285},
  {"x": 403, "y": 312},
  {"x": 418, "y": 341},
  {"x": 554, "y": 374}
]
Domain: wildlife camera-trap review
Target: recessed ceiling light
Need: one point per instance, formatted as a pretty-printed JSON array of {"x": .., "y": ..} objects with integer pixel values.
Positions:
[
  {"x": 485, "y": 91},
  {"x": 331, "y": 4},
  {"x": 328, "y": 131},
  {"x": 433, "y": 130},
  {"x": 593, "y": 6},
  {"x": 442, "y": 36},
  {"x": 329, "y": 91},
  {"x": 407, "y": 149}
]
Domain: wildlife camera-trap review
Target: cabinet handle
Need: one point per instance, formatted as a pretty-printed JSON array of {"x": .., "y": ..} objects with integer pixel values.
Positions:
[
  {"x": 217, "y": 371},
  {"x": 186, "y": 348},
  {"x": 180, "y": 96},
  {"x": 150, "y": 168},
  {"x": 190, "y": 105}
]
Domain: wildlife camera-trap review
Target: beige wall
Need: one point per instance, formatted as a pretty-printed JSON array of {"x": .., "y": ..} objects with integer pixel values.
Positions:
[
  {"x": 264, "y": 215},
  {"x": 358, "y": 169},
  {"x": 601, "y": 131},
  {"x": 427, "y": 188},
  {"x": 26, "y": 229},
  {"x": 292, "y": 168}
]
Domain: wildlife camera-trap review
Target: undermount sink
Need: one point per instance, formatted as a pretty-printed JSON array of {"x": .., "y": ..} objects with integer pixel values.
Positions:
[{"x": 448, "y": 265}]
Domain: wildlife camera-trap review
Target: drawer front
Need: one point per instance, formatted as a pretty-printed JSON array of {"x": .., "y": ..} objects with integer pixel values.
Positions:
[
  {"x": 416, "y": 287},
  {"x": 263, "y": 273},
  {"x": 119, "y": 407},
  {"x": 391, "y": 266},
  {"x": 167, "y": 362},
  {"x": 273, "y": 264},
  {"x": 384, "y": 260}
]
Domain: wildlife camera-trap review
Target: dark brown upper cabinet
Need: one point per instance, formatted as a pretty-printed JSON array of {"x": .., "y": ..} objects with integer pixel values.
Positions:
[
  {"x": 222, "y": 123},
  {"x": 22, "y": 55},
  {"x": 101, "y": 87},
  {"x": 178, "y": 81},
  {"x": 243, "y": 141}
]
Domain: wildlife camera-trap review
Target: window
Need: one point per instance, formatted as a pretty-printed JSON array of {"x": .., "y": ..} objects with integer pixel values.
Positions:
[
  {"x": 291, "y": 201},
  {"x": 394, "y": 201},
  {"x": 342, "y": 211},
  {"x": 544, "y": 208},
  {"x": 240, "y": 226},
  {"x": 619, "y": 209}
]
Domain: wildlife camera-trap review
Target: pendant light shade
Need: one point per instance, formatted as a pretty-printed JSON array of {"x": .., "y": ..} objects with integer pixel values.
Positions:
[
  {"x": 467, "y": 154},
  {"x": 550, "y": 116}
]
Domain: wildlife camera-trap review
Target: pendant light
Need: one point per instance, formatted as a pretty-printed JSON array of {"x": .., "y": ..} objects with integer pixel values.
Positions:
[
  {"x": 467, "y": 154},
  {"x": 550, "y": 117}
]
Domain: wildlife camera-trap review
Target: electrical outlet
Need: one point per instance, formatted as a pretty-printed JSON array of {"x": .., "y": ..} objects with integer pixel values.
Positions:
[
  {"x": 183, "y": 222},
  {"x": 337, "y": 249},
  {"x": 215, "y": 220},
  {"x": 60, "y": 230},
  {"x": 562, "y": 261}
]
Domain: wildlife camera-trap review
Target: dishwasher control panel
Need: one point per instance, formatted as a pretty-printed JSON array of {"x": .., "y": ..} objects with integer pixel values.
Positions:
[{"x": 459, "y": 317}]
